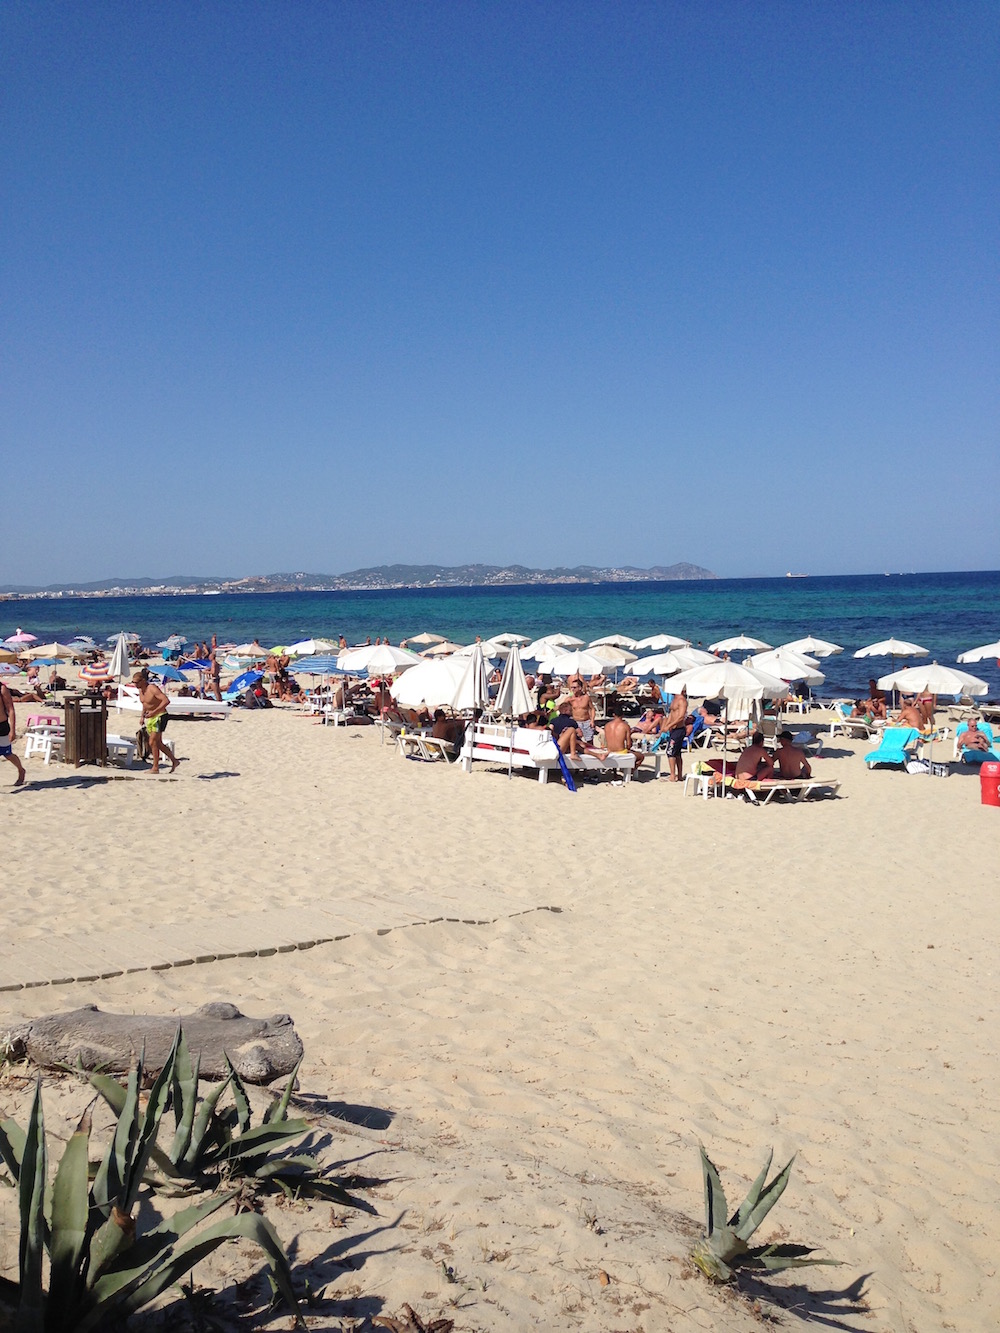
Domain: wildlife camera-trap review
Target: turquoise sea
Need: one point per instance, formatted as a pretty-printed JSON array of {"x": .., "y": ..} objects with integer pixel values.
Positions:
[{"x": 946, "y": 613}]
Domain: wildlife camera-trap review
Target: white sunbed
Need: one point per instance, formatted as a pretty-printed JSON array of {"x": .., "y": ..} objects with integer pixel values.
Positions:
[
  {"x": 128, "y": 701},
  {"x": 523, "y": 747}
]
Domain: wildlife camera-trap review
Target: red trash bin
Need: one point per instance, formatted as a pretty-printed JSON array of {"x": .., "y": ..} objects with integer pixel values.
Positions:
[{"x": 989, "y": 783}]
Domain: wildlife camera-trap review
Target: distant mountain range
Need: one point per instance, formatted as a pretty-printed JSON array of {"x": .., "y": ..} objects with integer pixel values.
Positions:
[{"x": 380, "y": 576}]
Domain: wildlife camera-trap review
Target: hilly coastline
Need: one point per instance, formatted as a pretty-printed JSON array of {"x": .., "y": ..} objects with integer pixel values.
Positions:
[{"x": 361, "y": 580}]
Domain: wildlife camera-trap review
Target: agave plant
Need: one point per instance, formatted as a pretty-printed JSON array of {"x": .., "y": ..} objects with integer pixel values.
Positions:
[
  {"x": 100, "y": 1265},
  {"x": 211, "y": 1146},
  {"x": 725, "y": 1248}
]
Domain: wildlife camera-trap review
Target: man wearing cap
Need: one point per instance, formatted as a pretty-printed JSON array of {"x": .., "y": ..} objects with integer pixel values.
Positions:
[{"x": 789, "y": 761}]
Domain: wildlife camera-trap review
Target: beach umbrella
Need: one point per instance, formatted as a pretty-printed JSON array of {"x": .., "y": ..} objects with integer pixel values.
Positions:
[
  {"x": 54, "y": 650},
  {"x": 83, "y": 641},
  {"x": 95, "y": 673},
  {"x": 431, "y": 684},
  {"x": 814, "y": 647},
  {"x": 7, "y": 670},
  {"x": 508, "y": 639},
  {"x": 377, "y": 658},
  {"x": 119, "y": 667},
  {"x": 426, "y": 639},
  {"x": 250, "y": 650},
  {"x": 615, "y": 641},
  {"x": 244, "y": 682},
  {"x": 6, "y": 655},
  {"x": 311, "y": 647},
  {"x": 173, "y": 642},
  {"x": 582, "y": 662},
  {"x": 167, "y": 671},
  {"x": 981, "y": 653},
  {"x": 668, "y": 664},
  {"x": 738, "y": 643},
  {"x": 935, "y": 678},
  {"x": 19, "y": 639},
  {"x": 610, "y": 655},
  {"x": 731, "y": 682},
  {"x": 892, "y": 648},
  {"x": 319, "y": 664},
  {"x": 563, "y": 640},
  {"x": 442, "y": 649},
  {"x": 660, "y": 642},
  {"x": 129, "y": 638},
  {"x": 787, "y": 665}
]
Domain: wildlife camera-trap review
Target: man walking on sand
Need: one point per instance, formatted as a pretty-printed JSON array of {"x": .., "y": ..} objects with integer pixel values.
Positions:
[
  {"x": 154, "y": 718},
  {"x": 8, "y": 733},
  {"x": 676, "y": 729}
]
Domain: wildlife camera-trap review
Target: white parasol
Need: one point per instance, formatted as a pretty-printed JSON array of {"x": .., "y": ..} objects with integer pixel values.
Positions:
[
  {"x": 615, "y": 641},
  {"x": 732, "y": 682},
  {"x": 431, "y": 684},
  {"x": 738, "y": 643},
  {"x": 513, "y": 698},
  {"x": 981, "y": 653},
  {"x": 660, "y": 642},
  {"x": 814, "y": 647}
]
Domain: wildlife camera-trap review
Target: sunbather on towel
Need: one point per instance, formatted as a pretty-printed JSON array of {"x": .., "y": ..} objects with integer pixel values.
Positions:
[
  {"x": 974, "y": 744},
  {"x": 790, "y": 762},
  {"x": 910, "y": 715}
]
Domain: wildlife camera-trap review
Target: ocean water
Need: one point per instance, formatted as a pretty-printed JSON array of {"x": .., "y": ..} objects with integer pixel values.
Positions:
[{"x": 946, "y": 613}]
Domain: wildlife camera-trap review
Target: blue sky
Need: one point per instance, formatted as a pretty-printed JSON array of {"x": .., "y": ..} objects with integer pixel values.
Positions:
[{"x": 317, "y": 286}]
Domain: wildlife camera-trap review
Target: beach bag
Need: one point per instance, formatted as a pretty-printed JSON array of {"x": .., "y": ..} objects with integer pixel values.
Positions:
[
  {"x": 917, "y": 766},
  {"x": 143, "y": 748}
]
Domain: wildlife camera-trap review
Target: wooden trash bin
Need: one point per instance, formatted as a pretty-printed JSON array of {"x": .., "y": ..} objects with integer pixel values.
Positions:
[{"x": 86, "y": 740}]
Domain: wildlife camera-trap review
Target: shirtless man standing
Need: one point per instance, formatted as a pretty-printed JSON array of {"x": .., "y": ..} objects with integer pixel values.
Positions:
[
  {"x": 582, "y": 711},
  {"x": 8, "y": 733},
  {"x": 154, "y": 718},
  {"x": 676, "y": 729}
]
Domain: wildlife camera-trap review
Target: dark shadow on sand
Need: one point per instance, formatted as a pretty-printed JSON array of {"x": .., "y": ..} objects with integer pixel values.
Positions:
[{"x": 828, "y": 1308}]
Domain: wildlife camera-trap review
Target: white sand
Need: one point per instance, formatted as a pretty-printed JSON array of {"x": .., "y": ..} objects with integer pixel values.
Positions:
[{"x": 817, "y": 977}]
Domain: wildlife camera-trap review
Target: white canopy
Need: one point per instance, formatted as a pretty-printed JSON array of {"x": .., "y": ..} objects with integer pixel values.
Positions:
[
  {"x": 981, "y": 653},
  {"x": 814, "y": 647},
  {"x": 892, "y": 648},
  {"x": 729, "y": 680},
  {"x": 739, "y": 642},
  {"x": 788, "y": 666},
  {"x": 614, "y": 641},
  {"x": 431, "y": 684},
  {"x": 374, "y": 658},
  {"x": 582, "y": 662},
  {"x": 935, "y": 678},
  {"x": 659, "y": 642}
]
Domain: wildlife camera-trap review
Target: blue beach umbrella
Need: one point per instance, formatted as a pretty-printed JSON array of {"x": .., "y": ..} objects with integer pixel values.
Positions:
[
  {"x": 244, "y": 682},
  {"x": 323, "y": 664},
  {"x": 166, "y": 671}
]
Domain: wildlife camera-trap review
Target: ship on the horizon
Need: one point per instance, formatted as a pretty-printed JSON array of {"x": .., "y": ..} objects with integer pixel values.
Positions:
[{"x": 790, "y": 575}]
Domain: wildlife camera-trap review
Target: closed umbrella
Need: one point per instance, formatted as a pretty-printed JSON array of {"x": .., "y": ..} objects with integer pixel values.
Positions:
[
  {"x": 513, "y": 698},
  {"x": 473, "y": 690},
  {"x": 119, "y": 667}
]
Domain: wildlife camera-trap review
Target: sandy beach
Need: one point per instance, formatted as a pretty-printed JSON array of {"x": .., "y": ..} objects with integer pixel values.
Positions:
[{"x": 528, "y": 1092}]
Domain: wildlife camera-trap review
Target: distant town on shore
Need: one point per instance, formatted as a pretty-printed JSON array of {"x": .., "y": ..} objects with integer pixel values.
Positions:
[{"x": 362, "y": 580}]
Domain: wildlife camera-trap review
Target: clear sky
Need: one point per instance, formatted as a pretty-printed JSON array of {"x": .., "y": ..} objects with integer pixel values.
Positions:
[{"x": 313, "y": 286}]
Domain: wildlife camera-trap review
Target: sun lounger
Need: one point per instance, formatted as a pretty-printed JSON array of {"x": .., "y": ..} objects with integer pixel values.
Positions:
[
  {"x": 128, "y": 701},
  {"x": 853, "y": 726},
  {"x": 415, "y": 744},
  {"x": 797, "y": 789},
  {"x": 896, "y": 746},
  {"x": 523, "y": 747}
]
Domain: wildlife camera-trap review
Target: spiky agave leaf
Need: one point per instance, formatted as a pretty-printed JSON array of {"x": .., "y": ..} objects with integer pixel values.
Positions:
[
  {"x": 70, "y": 1226},
  {"x": 187, "y": 1253},
  {"x": 724, "y": 1248},
  {"x": 31, "y": 1190},
  {"x": 278, "y": 1109},
  {"x": 241, "y": 1099},
  {"x": 11, "y": 1147},
  {"x": 751, "y": 1219}
]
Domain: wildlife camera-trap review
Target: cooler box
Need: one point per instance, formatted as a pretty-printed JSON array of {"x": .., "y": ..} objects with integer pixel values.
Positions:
[{"x": 989, "y": 783}]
